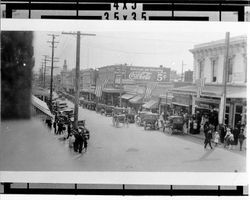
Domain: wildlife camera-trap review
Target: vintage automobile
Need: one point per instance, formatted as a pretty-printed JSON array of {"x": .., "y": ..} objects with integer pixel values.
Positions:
[
  {"x": 118, "y": 118},
  {"x": 150, "y": 120},
  {"x": 109, "y": 110},
  {"x": 131, "y": 118},
  {"x": 174, "y": 124},
  {"x": 140, "y": 117},
  {"x": 91, "y": 105},
  {"x": 100, "y": 108}
]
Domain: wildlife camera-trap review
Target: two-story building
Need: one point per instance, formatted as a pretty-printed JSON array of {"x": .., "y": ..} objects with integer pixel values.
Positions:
[{"x": 209, "y": 59}]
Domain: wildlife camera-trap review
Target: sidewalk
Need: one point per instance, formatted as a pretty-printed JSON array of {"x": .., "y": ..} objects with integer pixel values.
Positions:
[{"x": 235, "y": 149}]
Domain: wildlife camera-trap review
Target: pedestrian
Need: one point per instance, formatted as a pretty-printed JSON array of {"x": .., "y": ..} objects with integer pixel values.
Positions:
[
  {"x": 85, "y": 139},
  {"x": 49, "y": 123},
  {"x": 216, "y": 138},
  {"x": 71, "y": 141},
  {"x": 60, "y": 128},
  {"x": 190, "y": 125},
  {"x": 80, "y": 140},
  {"x": 69, "y": 130},
  {"x": 226, "y": 138},
  {"x": 77, "y": 141},
  {"x": 222, "y": 132},
  {"x": 195, "y": 127},
  {"x": 241, "y": 138},
  {"x": 54, "y": 125},
  {"x": 230, "y": 140},
  {"x": 208, "y": 136},
  {"x": 161, "y": 119},
  {"x": 236, "y": 132}
]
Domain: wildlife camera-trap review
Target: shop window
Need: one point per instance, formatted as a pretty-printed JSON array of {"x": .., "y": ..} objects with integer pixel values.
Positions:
[
  {"x": 227, "y": 115},
  {"x": 238, "y": 114}
]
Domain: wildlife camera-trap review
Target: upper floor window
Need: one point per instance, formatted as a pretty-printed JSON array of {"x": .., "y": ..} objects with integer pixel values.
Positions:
[
  {"x": 201, "y": 68},
  {"x": 230, "y": 70},
  {"x": 214, "y": 70}
]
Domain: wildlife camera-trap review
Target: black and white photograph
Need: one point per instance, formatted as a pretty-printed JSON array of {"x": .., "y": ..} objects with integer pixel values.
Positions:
[{"x": 146, "y": 97}]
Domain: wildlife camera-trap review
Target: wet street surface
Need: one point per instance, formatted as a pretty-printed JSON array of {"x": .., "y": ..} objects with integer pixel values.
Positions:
[{"x": 29, "y": 145}]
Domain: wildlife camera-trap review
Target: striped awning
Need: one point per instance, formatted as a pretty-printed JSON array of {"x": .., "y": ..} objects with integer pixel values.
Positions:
[
  {"x": 150, "y": 104},
  {"x": 149, "y": 89},
  {"x": 136, "y": 99},
  {"x": 127, "y": 96},
  {"x": 99, "y": 87}
]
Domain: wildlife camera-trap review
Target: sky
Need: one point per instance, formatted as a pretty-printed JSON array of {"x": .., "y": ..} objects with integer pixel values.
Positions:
[{"x": 140, "y": 47}]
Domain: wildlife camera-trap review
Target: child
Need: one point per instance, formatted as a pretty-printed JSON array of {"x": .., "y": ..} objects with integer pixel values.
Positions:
[
  {"x": 71, "y": 141},
  {"x": 216, "y": 138}
]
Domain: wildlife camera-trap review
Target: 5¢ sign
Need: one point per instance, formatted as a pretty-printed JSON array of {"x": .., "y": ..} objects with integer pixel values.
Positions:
[{"x": 125, "y": 11}]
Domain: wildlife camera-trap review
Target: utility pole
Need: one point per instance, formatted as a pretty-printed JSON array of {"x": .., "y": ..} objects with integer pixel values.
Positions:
[
  {"x": 45, "y": 62},
  {"x": 41, "y": 72},
  {"x": 52, "y": 64},
  {"x": 225, "y": 73},
  {"x": 121, "y": 86},
  {"x": 77, "y": 82}
]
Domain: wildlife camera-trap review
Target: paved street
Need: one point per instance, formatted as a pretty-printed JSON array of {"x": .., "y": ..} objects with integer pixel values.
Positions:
[{"x": 111, "y": 149}]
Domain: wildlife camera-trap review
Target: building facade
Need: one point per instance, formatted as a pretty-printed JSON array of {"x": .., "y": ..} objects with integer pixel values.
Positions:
[
  {"x": 207, "y": 90},
  {"x": 188, "y": 76}
]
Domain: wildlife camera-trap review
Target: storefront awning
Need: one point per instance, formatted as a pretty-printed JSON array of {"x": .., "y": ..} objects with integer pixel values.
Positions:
[
  {"x": 41, "y": 105},
  {"x": 136, "y": 99},
  {"x": 213, "y": 91},
  {"x": 127, "y": 96},
  {"x": 179, "y": 104},
  {"x": 150, "y": 104},
  {"x": 111, "y": 90}
]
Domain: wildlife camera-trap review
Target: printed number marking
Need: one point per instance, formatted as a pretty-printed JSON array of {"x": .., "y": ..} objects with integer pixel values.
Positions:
[{"x": 106, "y": 14}]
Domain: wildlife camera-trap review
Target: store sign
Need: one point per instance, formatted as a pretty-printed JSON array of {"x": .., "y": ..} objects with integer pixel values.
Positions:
[
  {"x": 206, "y": 105},
  {"x": 182, "y": 100},
  {"x": 149, "y": 74}
]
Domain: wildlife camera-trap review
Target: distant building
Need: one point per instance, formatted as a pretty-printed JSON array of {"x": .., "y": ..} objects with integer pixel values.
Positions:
[
  {"x": 174, "y": 76},
  {"x": 188, "y": 76}
]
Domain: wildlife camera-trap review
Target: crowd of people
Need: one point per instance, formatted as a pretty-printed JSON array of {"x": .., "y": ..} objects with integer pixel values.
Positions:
[
  {"x": 214, "y": 132},
  {"x": 198, "y": 123},
  {"x": 77, "y": 139}
]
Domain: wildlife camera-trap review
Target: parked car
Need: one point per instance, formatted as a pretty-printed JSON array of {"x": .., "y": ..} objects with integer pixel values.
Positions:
[
  {"x": 109, "y": 110},
  {"x": 151, "y": 121},
  {"x": 140, "y": 117},
  {"x": 174, "y": 124},
  {"x": 100, "y": 108}
]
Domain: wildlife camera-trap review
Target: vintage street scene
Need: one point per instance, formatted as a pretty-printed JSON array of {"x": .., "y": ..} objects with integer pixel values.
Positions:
[{"x": 123, "y": 101}]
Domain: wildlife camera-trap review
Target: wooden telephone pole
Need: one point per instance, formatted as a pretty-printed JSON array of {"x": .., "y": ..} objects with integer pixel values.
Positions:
[
  {"x": 44, "y": 72},
  {"x": 225, "y": 74},
  {"x": 78, "y": 41},
  {"x": 52, "y": 64}
]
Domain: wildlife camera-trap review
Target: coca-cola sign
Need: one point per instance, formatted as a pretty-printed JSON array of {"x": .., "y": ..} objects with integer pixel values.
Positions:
[
  {"x": 140, "y": 75},
  {"x": 149, "y": 74}
]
